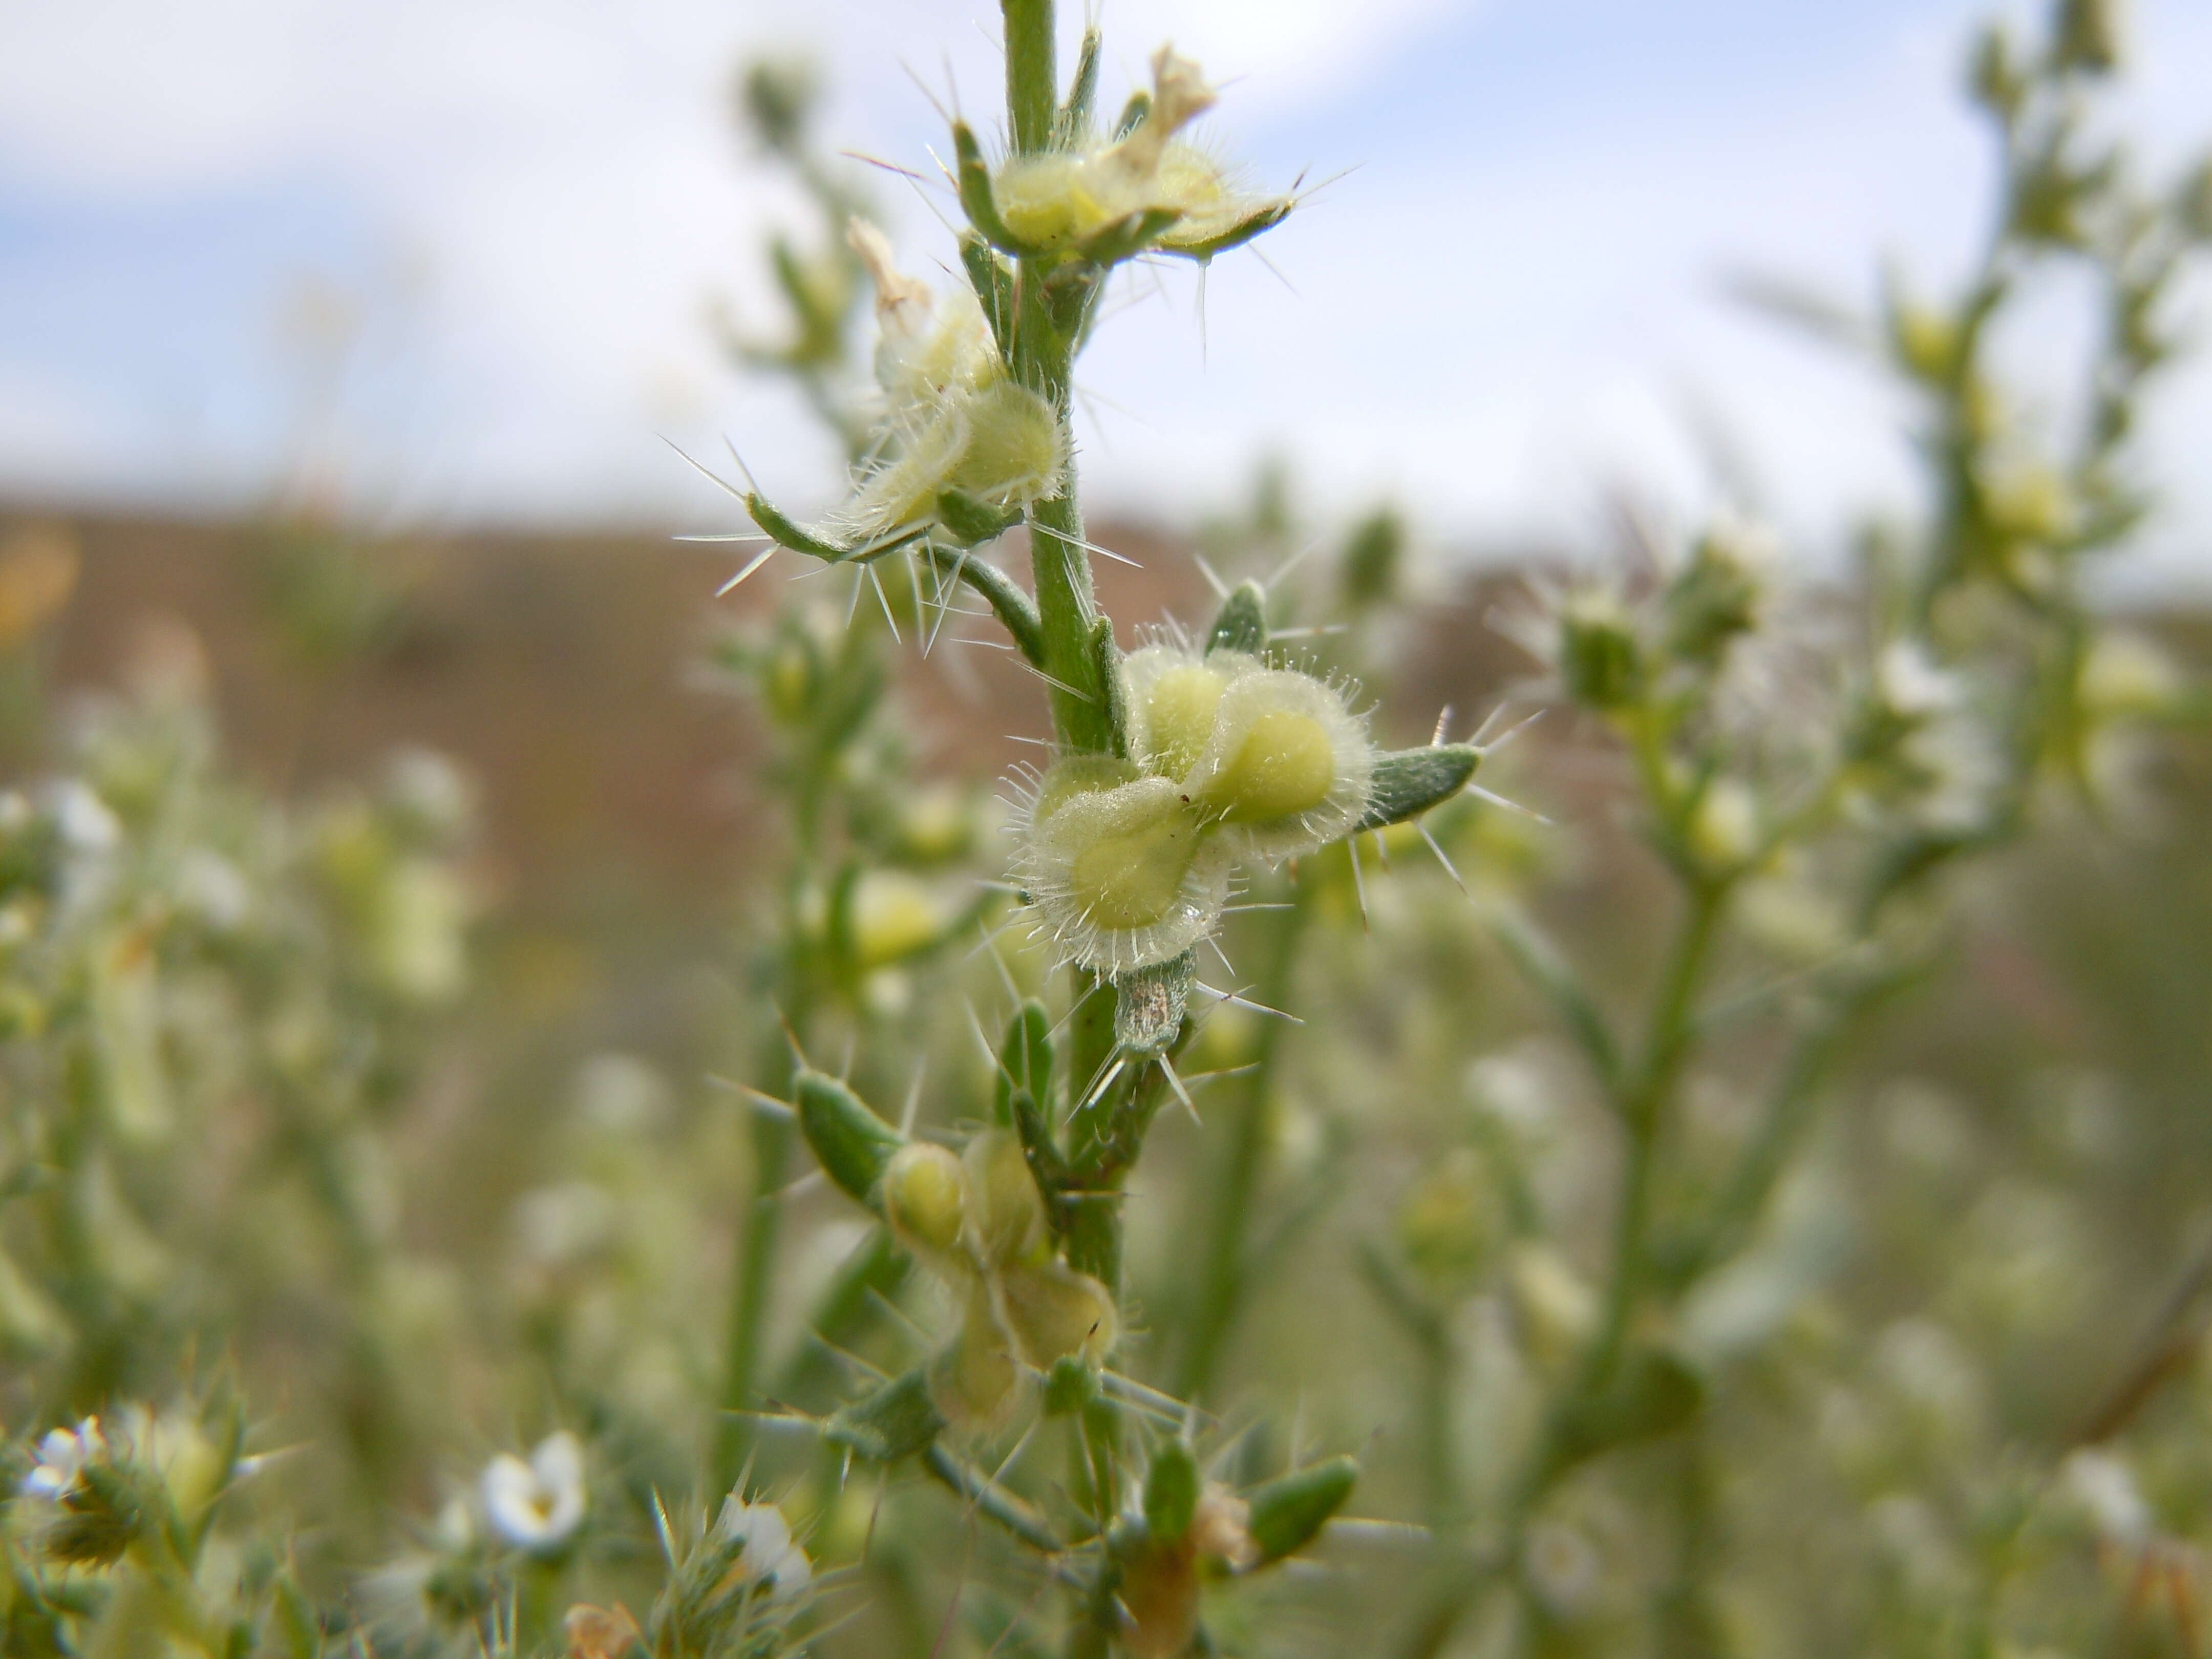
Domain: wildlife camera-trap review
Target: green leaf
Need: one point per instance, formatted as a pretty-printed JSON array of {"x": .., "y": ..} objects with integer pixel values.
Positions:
[
  {"x": 786, "y": 532},
  {"x": 1082, "y": 94},
  {"x": 1252, "y": 224},
  {"x": 1286, "y": 1513},
  {"x": 1241, "y": 625},
  {"x": 1069, "y": 1386},
  {"x": 1129, "y": 236},
  {"x": 1132, "y": 113},
  {"x": 852, "y": 1143},
  {"x": 1410, "y": 782},
  {"x": 896, "y": 1421},
  {"x": 976, "y": 199},
  {"x": 1171, "y": 1492},
  {"x": 1024, "y": 1059},
  {"x": 972, "y": 521},
  {"x": 993, "y": 279}
]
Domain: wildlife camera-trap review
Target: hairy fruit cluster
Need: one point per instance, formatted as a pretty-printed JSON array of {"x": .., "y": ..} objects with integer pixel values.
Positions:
[{"x": 1231, "y": 760}]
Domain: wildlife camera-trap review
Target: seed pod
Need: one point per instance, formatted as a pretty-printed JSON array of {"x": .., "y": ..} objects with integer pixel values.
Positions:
[
  {"x": 1288, "y": 768},
  {"x": 975, "y": 1383},
  {"x": 1287, "y": 1512},
  {"x": 1172, "y": 696},
  {"x": 1051, "y": 1310},
  {"x": 1007, "y": 1219},
  {"x": 853, "y": 1145},
  {"x": 1125, "y": 877},
  {"x": 925, "y": 1199}
]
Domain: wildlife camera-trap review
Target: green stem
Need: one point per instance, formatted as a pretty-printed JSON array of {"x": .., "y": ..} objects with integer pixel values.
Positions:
[
  {"x": 749, "y": 1309},
  {"x": 1032, "y": 77},
  {"x": 754, "y": 1269},
  {"x": 1643, "y": 1107}
]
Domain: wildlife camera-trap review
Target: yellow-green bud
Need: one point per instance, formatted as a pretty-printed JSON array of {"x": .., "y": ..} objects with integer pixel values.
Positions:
[
  {"x": 925, "y": 1199},
  {"x": 1051, "y": 1310},
  {"x": 1724, "y": 826},
  {"x": 893, "y": 916},
  {"x": 1288, "y": 767},
  {"x": 1126, "y": 876},
  {"x": 1006, "y": 1211},
  {"x": 1015, "y": 451},
  {"x": 1173, "y": 696}
]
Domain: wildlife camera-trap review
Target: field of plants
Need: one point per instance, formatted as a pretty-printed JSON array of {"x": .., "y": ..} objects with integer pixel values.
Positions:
[{"x": 1058, "y": 1088}]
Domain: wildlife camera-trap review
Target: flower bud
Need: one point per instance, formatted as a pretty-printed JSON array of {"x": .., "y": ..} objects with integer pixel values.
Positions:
[
  {"x": 1601, "y": 661},
  {"x": 1173, "y": 696},
  {"x": 892, "y": 915},
  {"x": 1125, "y": 876},
  {"x": 1006, "y": 1219},
  {"x": 1724, "y": 825},
  {"x": 1289, "y": 766},
  {"x": 1051, "y": 1310},
  {"x": 1716, "y": 596},
  {"x": 925, "y": 1199}
]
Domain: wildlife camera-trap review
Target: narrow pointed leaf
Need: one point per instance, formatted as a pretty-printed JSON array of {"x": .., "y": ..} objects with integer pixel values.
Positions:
[
  {"x": 852, "y": 1143},
  {"x": 894, "y": 1422},
  {"x": 1286, "y": 1513},
  {"x": 1413, "y": 780},
  {"x": 976, "y": 199}
]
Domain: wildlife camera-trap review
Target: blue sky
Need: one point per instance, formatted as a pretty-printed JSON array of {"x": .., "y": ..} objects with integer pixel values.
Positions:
[{"x": 1510, "y": 305}]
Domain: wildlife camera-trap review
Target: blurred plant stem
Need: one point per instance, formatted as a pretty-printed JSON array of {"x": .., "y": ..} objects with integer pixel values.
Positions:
[{"x": 1222, "y": 1204}]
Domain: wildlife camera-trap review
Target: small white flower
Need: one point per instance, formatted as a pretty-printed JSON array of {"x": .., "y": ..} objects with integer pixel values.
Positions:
[
  {"x": 771, "y": 1556},
  {"x": 63, "y": 1455},
  {"x": 536, "y": 1506},
  {"x": 2106, "y": 1489}
]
